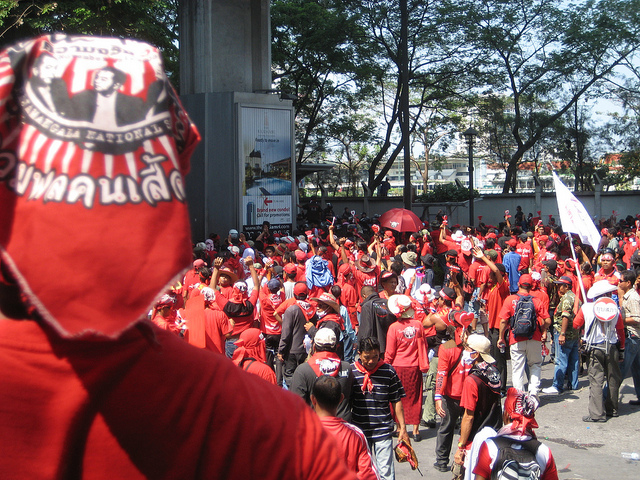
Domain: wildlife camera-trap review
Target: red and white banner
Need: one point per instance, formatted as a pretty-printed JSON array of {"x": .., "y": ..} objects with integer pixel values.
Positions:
[{"x": 574, "y": 218}]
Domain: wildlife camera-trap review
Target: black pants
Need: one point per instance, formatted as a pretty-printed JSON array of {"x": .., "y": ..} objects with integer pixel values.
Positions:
[
  {"x": 272, "y": 342},
  {"x": 444, "y": 438},
  {"x": 291, "y": 362},
  {"x": 501, "y": 358}
]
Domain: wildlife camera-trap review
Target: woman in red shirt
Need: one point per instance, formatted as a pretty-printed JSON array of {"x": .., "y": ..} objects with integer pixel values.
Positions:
[{"x": 403, "y": 341}]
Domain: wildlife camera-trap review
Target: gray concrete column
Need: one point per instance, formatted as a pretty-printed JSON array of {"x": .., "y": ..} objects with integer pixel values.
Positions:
[{"x": 225, "y": 46}]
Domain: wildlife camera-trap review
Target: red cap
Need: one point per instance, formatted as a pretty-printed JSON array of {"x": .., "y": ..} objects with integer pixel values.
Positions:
[
  {"x": 300, "y": 288},
  {"x": 526, "y": 279},
  {"x": 198, "y": 263},
  {"x": 512, "y": 242},
  {"x": 290, "y": 268},
  {"x": 300, "y": 255}
]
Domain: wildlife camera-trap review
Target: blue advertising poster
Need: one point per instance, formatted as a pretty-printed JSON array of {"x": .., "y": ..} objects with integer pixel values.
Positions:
[{"x": 266, "y": 150}]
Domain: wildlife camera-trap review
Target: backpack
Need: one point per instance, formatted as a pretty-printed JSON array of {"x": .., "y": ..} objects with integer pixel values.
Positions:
[
  {"x": 524, "y": 321},
  {"x": 516, "y": 460}
]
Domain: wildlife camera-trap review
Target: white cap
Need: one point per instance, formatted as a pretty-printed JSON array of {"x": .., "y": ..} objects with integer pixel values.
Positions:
[{"x": 325, "y": 337}]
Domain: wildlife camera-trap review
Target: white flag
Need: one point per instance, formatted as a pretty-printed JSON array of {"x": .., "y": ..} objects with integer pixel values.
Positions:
[{"x": 574, "y": 218}]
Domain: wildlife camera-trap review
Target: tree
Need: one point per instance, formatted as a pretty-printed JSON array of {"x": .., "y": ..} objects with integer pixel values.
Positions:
[
  {"x": 321, "y": 56},
  {"x": 153, "y": 21},
  {"x": 353, "y": 134},
  {"x": 549, "y": 51},
  {"x": 436, "y": 125},
  {"x": 622, "y": 132},
  {"x": 438, "y": 64}
]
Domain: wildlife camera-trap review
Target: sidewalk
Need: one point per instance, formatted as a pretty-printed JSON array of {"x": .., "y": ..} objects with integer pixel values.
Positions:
[{"x": 583, "y": 451}]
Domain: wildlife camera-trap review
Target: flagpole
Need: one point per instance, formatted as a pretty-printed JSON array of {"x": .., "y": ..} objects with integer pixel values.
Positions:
[
  {"x": 577, "y": 267},
  {"x": 573, "y": 252}
]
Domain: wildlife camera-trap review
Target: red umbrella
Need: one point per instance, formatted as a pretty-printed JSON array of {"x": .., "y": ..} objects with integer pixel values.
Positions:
[{"x": 401, "y": 220}]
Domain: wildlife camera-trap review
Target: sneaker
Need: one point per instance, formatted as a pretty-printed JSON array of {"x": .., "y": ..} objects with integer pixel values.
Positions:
[
  {"x": 551, "y": 390},
  {"x": 634, "y": 402}
]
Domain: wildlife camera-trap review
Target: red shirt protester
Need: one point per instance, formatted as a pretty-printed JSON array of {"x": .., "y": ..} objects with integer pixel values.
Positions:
[{"x": 354, "y": 445}]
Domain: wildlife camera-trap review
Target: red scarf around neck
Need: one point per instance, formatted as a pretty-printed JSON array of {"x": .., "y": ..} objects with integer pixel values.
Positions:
[
  {"x": 367, "y": 384},
  {"x": 325, "y": 363}
]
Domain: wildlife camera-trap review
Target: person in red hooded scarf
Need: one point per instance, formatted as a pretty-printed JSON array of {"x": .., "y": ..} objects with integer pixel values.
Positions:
[
  {"x": 251, "y": 355},
  {"x": 112, "y": 395},
  {"x": 165, "y": 315}
]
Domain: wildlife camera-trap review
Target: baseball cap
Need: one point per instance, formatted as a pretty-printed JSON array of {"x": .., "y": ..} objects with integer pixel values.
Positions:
[
  {"x": 564, "y": 280},
  {"x": 300, "y": 288},
  {"x": 325, "y": 337},
  {"x": 482, "y": 345},
  {"x": 290, "y": 268},
  {"x": 448, "y": 293},
  {"x": 526, "y": 279}
]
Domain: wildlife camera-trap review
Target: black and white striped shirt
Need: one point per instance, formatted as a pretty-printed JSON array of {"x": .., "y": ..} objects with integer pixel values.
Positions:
[{"x": 370, "y": 410}]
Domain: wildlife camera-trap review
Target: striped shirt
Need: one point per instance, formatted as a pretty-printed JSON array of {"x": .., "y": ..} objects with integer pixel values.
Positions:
[{"x": 370, "y": 410}]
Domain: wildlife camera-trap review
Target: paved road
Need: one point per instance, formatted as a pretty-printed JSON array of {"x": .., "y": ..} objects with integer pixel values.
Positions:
[{"x": 583, "y": 451}]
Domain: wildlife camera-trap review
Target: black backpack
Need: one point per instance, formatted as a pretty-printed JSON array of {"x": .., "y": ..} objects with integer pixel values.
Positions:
[
  {"x": 516, "y": 460},
  {"x": 524, "y": 321}
]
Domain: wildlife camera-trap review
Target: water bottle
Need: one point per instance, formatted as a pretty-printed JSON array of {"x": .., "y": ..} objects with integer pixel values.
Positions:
[
  {"x": 631, "y": 456},
  {"x": 503, "y": 349}
]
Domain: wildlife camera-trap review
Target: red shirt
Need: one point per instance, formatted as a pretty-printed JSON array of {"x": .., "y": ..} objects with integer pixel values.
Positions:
[
  {"x": 508, "y": 309},
  {"x": 353, "y": 444},
  {"x": 148, "y": 405},
  {"x": 349, "y": 298},
  {"x": 216, "y": 327},
  {"x": 612, "y": 277},
  {"x": 280, "y": 309},
  {"x": 244, "y": 322},
  {"x": 268, "y": 304},
  {"x": 526, "y": 253},
  {"x": 402, "y": 343},
  {"x": 495, "y": 299},
  {"x": 366, "y": 278},
  {"x": 450, "y": 385},
  {"x": 262, "y": 370}
]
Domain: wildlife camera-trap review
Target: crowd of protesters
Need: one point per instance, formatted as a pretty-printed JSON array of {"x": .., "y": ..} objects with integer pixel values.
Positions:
[{"x": 376, "y": 308}]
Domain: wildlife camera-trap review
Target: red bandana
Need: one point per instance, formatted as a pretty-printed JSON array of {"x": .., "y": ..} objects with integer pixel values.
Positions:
[
  {"x": 308, "y": 310},
  {"x": 95, "y": 148},
  {"x": 250, "y": 345},
  {"x": 367, "y": 384},
  {"x": 325, "y": 363}
]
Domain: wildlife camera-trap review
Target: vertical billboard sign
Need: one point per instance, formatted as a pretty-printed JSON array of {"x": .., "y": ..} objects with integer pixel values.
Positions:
[{"x": 266, "y": 144}]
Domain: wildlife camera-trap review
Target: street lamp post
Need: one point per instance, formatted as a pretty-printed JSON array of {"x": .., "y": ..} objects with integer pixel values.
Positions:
[{"x": 470, "y": 135}]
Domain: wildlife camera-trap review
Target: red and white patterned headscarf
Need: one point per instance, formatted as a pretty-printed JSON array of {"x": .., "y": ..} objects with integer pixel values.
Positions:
[{"x": 94, "y": 147}]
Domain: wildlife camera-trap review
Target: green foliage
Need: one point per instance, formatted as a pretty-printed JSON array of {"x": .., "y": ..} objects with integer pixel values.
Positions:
[
  {"x": 320, "y": 55},
  {"x": 154, "y": 21},
  {"x": 446, "y": 192},
  {"x": 545, "y": 55}
]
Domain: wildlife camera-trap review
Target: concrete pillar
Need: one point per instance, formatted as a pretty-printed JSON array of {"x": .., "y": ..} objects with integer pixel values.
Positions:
[
  {"x": 538, "y": 190},
  {"x": 597, "y": 199},
  {"x": 225, "y": 46}
]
